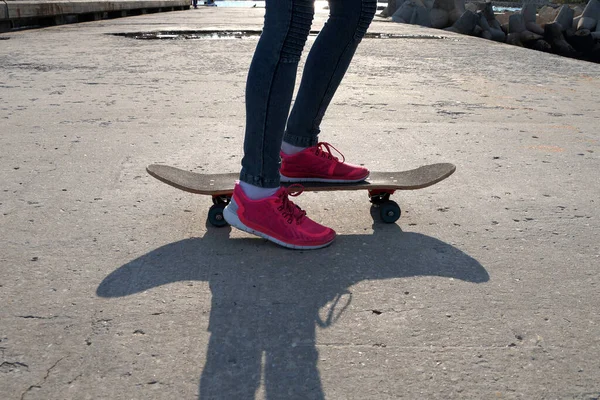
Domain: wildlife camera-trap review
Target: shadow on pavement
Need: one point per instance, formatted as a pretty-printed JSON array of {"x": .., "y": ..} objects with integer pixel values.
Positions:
[{"x": 266, "y": 299}]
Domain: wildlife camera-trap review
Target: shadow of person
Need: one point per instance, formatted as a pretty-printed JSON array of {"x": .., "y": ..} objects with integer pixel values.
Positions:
[{"x": 266, "y": 300}]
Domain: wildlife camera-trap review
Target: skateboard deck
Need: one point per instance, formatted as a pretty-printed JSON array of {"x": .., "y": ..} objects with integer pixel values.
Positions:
[{"x": 380, "y": 185}]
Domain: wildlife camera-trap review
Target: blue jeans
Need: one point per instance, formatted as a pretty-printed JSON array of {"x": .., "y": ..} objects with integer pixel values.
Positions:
[{"x": 272, "y": 77}]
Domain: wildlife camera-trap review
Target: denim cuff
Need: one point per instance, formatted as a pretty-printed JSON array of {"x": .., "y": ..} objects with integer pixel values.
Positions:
[
  {"x": 258, "y": 181},
  {"x": 300, "y": 141}
]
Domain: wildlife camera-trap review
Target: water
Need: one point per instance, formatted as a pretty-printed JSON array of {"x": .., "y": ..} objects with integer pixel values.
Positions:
[
  {"x": 320, "y": 6},
  {"x": 247, "y": 34}
]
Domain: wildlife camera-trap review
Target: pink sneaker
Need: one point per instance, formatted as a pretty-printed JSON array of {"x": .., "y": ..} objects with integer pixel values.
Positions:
[
  {"x": 277, "y": 219},
  {"x": 317, "y": 164}
]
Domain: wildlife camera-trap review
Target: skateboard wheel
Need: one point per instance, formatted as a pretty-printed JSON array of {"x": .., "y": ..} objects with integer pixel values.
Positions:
[
  {"x": 215, "y": 216},
  {"x": 389, "y": 212}
]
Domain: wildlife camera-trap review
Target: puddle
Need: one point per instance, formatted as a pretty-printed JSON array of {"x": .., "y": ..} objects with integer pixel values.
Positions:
[{"x": 246, "y": 34}]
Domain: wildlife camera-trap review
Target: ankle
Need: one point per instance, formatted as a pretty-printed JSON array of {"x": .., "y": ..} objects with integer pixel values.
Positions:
[
  {"x": 290, "y": 149},
  {"x": 257, "y": 192}
]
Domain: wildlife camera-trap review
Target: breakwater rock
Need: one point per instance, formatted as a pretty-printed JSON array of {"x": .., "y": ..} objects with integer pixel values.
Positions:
[{"x": 570, "y": 31}]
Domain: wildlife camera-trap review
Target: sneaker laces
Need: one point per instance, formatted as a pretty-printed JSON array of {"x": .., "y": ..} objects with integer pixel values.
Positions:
[
  {"x": 324, "y": 149},
  {"x": 290, "y": 211}
]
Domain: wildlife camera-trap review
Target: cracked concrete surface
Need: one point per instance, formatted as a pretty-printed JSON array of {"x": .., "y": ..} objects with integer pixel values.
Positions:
[{"x": 114, "y": 287}]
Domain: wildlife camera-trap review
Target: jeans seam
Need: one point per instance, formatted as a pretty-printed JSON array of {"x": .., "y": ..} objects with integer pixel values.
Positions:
[
  {"x": 327, "y": 91},
  {"x": 353, "y": 40},
  {"x": 279, "y": 61}
]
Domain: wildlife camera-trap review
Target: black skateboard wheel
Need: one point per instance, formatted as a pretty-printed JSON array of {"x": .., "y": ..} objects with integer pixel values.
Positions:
[
  {"x": 215, "y": 216},
  {"x": 389, "y": 212}
]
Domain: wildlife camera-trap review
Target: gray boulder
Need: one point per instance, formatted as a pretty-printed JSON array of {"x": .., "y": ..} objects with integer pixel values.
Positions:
[
  {"x": 564, "y": 18},
  {"x": 529, "y": 16},
  {"x": 466, "y": 24},
  {"x": 590, "y": 15}
]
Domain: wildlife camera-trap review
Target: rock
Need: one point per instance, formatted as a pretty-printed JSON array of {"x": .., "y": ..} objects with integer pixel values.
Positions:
[
  {"x": 529, "y": 12},
  {"x": 528, "y": 36},
  {"x": 516, "y": 23},
  {"x": 495, "y": 24},
  {"x": 553, "y": 35},
  {"x": 529, "y": 15},
  {"x": 577, "y": 11},
  {"x": 412, "y": 12},
  {"x": 466, "y": 23},
  {"x": 498, "y": 35},
  {"x": 534, "y": 27},
  {"x": 457, "y": 11},
  {"x": 582, "y": 41},
  {"x": 446, "y": 5},
  {"x": 404, "y": 13},
  {"x": 477, "y": 31},
  {"x": 594, "y": 56},
  {"x": 590, "y": 15},
  {"x": 546, "y": 15},
  {"x": 564, "y": 17},
  {"x": 483, "y": 22},
  {"x": 438, "y": 18},
  {"x": 391, "y": 8},
  {"x": 586, "y": 23},
  {"x": 503, "y": 18},
  {"x": 514, "y": 39},
  {"x": 471, "y": 7},
  {"x": 487, "y": 9},
  {"x": 542, "y": 45},
  {"x": 421, "y": 16}
]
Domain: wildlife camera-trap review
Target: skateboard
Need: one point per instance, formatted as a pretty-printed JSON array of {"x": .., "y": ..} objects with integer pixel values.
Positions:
[{"x": 380, "y": 186}]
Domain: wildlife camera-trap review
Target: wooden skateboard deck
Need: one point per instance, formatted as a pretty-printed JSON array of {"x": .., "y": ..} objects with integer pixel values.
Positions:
[{"x": 380, "y": 186}]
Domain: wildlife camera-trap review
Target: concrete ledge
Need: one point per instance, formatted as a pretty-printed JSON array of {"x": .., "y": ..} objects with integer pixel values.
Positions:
[
  {"x": 18, "y": 13},
  {"x": 50, "y": 8}
]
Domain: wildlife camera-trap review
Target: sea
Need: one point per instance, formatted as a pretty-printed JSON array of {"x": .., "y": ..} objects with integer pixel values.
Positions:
[{"x": 320, "y": 6}]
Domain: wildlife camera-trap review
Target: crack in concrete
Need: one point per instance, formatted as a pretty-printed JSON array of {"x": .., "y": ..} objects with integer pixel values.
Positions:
[
  {"x": 74, "y": 379},
  {"x": 8, "y": 366},
  {"x": 39, "y": 385},
  {"x": 36, "y": 317}
]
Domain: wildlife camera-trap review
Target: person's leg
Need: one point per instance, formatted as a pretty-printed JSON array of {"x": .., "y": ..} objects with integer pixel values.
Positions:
[
  {"x": 258, "y": 205},
  {"x": 270, "y": 86},
  {"x": 303, "y": 157},
  {"x": 325, "y": 67}
]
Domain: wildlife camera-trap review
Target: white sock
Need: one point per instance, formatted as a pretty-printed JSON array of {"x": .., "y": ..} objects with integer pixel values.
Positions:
[
  {"x": 290, "y": 149},
  {"x": 257, "y": 192}
]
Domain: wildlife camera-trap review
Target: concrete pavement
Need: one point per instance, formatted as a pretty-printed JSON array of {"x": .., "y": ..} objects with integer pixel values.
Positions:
[{"x": 113, "y": 287}]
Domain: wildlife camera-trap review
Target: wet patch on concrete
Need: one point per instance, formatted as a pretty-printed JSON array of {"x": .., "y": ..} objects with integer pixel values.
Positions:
[{"x": 223, "y": 35}]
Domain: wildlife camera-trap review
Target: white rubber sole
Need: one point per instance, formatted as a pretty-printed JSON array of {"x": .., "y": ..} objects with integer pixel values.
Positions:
[
  {"x": 284, "y": 178},
  {"x": 233, "y": 220}
]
